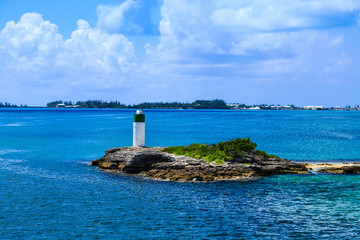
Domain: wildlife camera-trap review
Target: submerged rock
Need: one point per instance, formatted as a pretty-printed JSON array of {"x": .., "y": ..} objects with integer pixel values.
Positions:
[{"x": 153, "y": 163}]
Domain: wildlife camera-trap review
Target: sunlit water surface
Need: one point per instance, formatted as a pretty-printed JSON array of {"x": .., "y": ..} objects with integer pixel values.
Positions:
[{"x": 48, "y": 190}]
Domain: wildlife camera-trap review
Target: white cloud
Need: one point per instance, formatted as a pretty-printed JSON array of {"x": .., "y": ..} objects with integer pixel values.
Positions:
[
  {"x": 97, "y": 51},
  {"x": 30, "y": 44},
  {"x": 111, "y": 18},
  {"x": 33, "y": 53},
  {"x": 251, "y": 17},
  {"x": 277, "y": 43},
  {"x": 279, "y": 15},
  {"x": 201, "y": 43},
  {"x": 243, "y": 32}
]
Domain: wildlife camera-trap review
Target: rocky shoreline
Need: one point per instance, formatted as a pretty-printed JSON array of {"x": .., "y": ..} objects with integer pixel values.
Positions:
[
  {"x": 153, "y": 163},
  {"x": 335, "y": 168}
]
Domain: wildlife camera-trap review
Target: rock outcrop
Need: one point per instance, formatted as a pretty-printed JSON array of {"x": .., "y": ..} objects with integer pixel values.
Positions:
[
  {"x": 153, "y": 163},
  {"x": 353, "y": 169}
]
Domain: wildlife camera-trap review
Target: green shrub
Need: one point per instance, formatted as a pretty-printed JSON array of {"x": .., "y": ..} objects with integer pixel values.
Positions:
[
  {"x": 218, "y": 152},
  {"x": 265, "y": 155}
]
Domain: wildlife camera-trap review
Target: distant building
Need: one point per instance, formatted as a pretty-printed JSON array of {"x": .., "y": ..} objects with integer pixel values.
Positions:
[
  {"x": 254, "y": 108},
  {"x": 313, "y": 107},
  {"x": 60, "y": 105},
  {"x": 287, "y": 108},
  {"x": 72, "y": 106},
  {"x": 232, "y": 105}
]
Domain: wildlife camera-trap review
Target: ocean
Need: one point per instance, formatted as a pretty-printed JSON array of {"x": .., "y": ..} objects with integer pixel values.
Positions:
[{"x": 49, "y": 191}]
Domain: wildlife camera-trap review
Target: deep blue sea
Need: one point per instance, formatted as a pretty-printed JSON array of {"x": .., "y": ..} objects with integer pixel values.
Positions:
[{"x": 49, "y": 191}]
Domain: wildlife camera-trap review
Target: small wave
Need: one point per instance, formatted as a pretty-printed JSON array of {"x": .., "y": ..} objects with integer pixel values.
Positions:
[
  {"x": 6, "y": 151},
  {"x": 121, "y": 117},
  {"x": 343, "y": 135},
  {"x": 16, "y": 166},
  {"x": 12, "y": 125},
  {"x": 12, "y": 166},
  {"x": 84, "y": 162},
  {"x": 334, "y": 117},
  {"x": 6, "y": 162}
]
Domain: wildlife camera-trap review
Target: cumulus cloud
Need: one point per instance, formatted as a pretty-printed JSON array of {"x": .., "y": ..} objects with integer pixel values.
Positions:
[
  {"x": 193, "y": 23},
  {"x": 97, "y": 51},
  {"x": 111, "y": 18},
  {"x": 242, "y": 32},
  {"x": 132, "y": 17},
  {"x": 226, "y": 45},
  {"x": 245, "y": 43},
  {"x": 32, "y": 42},
  {"x": 33, "y": 53},
  {"x": 281, "y": 15}
]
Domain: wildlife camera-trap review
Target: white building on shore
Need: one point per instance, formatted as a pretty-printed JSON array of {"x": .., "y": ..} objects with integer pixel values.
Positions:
[
  {"x": 254, "y": 108},
  {"x": 287, "y": 108},
  {"x": 313, "y": 107},
  {"x": 60, "y": 105}
]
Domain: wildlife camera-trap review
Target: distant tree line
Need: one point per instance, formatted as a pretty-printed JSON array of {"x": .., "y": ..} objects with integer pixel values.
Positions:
[
  {"x": 6, "y": 104},
  {"x": 198, "y": 104},
  {"x": 88, "y": 104}
]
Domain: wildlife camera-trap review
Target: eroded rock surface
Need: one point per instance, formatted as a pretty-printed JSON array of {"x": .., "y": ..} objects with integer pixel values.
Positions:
[
  {"x": 153, "y": 163},
  {"x": 354, "y": 169}
]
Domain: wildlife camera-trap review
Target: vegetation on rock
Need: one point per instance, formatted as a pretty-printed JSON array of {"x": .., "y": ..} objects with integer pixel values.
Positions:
[{"x": 220, "y": 152}]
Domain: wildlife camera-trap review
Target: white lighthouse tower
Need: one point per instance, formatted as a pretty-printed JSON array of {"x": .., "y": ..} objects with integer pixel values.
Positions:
[{"x": 139, "y": 129}]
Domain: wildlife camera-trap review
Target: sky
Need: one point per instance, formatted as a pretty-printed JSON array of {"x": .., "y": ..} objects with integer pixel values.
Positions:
[{"x": 301, "y": 52}]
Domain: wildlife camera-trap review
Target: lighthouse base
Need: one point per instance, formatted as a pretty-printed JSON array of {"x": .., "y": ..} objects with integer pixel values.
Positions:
[{"x": 139, "y": 134}]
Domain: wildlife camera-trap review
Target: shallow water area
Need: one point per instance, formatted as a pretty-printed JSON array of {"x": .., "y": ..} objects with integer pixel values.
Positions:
[{"x": 49, "y": 191}]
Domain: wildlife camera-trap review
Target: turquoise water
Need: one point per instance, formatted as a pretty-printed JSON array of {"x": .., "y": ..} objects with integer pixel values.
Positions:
[{"x": 48, "y": 190}]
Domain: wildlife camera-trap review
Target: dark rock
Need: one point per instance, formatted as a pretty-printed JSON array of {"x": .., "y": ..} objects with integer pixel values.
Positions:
[{"x": 131, "y": 159}]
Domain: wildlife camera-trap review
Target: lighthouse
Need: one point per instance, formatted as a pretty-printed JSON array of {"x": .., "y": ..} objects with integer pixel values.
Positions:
[{"x": 139, "y": 129}]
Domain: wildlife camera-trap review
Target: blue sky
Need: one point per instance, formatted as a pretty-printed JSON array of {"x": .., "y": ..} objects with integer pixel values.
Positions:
[{"x": 302, "y": 52}]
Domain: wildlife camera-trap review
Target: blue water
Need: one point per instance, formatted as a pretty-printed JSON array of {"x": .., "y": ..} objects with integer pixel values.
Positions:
[{"x": 48, "y": 190}]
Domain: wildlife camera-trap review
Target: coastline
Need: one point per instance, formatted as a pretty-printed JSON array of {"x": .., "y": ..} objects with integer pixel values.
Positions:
[
  {"x": 333, "y": 167},
  {"x": 328, "y": 164}
]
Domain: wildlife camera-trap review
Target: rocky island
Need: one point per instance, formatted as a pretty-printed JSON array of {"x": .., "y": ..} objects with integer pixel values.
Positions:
[{"x": 235, "y": 159}]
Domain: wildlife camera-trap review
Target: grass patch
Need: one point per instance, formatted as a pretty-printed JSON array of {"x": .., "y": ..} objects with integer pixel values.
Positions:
[{"x": 220, "y": 152}]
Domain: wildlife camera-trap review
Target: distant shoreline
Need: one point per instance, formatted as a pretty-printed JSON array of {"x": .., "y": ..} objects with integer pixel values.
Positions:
[
  {"x": 132, "y": 108},
  {"x": 198, "y": 104}
]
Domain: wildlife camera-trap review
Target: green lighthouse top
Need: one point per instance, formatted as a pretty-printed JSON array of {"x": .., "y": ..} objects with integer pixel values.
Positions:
[{"x": 139, "y": 116}]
